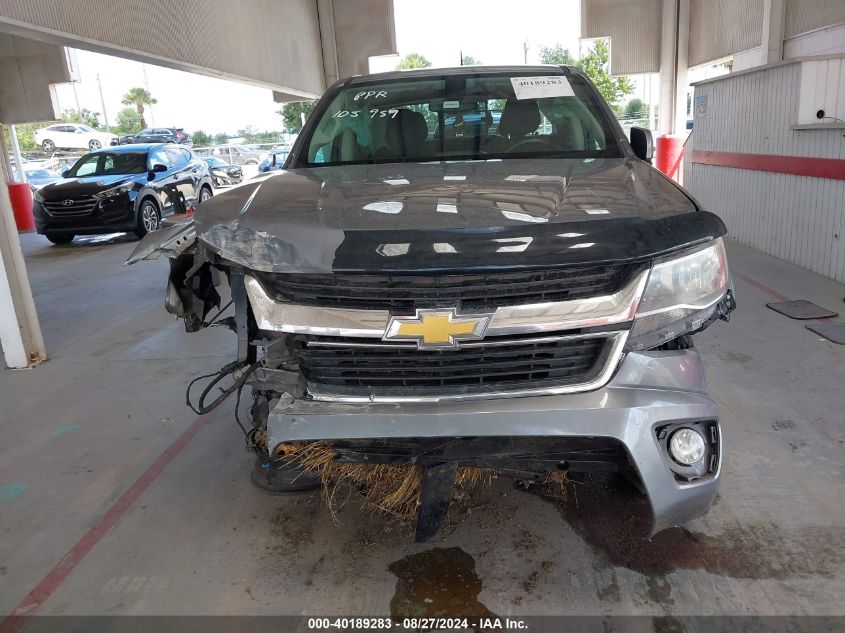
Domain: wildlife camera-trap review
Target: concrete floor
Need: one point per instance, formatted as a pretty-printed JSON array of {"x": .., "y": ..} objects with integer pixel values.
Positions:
[{"x": 108, "y": 480}]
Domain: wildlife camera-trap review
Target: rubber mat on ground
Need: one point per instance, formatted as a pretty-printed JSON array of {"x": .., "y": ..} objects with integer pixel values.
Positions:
[
  {"x": 801, "y": 309},
  {"x": 834, "y": 332}
]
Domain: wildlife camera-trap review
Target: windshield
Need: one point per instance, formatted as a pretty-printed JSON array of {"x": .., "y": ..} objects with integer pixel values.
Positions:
[
  {"x": 109, "y": 163},
  {"x": 456, "y": 117},
  {"x": 85, "y": 128},
  {"x": 215, "y": 162}
]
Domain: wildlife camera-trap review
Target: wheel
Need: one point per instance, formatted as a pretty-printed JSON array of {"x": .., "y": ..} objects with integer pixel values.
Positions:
[
  {"x": 148, "y": 218},
  {"x": 47, "y": 145},
  {"x": 283, "y": 475},
  {"x": 94, "y": 144},
  {"x": 205, "y": 193},
  {"x": 59, "y": 238}
]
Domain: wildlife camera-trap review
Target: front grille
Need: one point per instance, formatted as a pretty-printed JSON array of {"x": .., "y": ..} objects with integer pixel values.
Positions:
[
  {"x": 365, "y": 367},
  {"x": 76, "y": 207},
  {"x": 468, "y": 292}
]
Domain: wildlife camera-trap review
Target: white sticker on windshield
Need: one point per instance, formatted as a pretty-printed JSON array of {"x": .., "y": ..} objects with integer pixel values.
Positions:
[{"x": 541, "y": 87}]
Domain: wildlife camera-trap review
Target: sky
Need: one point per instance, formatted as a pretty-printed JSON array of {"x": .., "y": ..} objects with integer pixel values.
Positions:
[{"x": 493, "y": 31}]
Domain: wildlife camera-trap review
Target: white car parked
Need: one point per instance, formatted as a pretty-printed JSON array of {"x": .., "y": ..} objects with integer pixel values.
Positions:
[{"x": 72, "y": 136}]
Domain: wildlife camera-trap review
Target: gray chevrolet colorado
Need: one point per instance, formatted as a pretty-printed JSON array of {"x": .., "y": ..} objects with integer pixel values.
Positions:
[{"x": 465, "y": 269}]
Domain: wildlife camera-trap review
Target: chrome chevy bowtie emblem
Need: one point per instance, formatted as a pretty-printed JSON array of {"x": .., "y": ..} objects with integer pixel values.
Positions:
[{"x": 437, "y": 329}]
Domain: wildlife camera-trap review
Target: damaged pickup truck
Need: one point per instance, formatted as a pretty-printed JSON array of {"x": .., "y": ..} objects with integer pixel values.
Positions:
[{"x": 458, "y": 273}]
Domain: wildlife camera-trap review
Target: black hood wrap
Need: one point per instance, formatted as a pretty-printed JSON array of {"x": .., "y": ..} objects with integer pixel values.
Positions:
[{"x": 463, "y": 215}]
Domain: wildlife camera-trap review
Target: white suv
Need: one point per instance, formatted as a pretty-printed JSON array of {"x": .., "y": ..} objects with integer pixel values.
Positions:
[{"x": 72, "y": 136}]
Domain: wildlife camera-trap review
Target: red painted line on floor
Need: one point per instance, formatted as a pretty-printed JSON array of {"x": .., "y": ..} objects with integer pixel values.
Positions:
[
  {"x": 56, "y": 576},
  {"x": 771, "y": 291},
  {"x": 810, "y": 166},
  {"x": 761, "y": 286}
]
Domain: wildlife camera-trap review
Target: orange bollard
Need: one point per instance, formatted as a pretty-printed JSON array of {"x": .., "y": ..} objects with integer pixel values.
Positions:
[
  {"x": 21, "y": 197},
  {"x": 669, "y": 150}
]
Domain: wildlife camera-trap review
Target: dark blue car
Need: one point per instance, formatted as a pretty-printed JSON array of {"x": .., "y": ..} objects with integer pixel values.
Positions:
[{"x": 274, "y": 160}]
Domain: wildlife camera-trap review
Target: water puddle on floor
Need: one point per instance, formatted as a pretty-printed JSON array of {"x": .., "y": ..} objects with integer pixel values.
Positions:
[{"x": 437, "y": 583}]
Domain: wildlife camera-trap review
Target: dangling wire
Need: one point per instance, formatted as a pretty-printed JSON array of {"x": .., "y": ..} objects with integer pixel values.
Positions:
[
  {"x": 211, "y": 321},
  {"x": 202, "y": 408}
]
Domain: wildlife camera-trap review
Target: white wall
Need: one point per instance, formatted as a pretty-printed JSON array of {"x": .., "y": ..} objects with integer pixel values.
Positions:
[
  {"x": 824, "y": 41},
  {"x": 797, "y": 218}
]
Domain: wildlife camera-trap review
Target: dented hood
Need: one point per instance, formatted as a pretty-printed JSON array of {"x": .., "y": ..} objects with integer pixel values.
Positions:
[{"x": 452, "y": 215}]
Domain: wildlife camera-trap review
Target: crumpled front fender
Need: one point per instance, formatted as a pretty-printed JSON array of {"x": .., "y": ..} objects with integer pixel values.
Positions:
[{"x": 172, "y": 240}]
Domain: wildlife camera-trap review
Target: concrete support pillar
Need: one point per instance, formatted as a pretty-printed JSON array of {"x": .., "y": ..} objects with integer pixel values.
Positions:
[
  {"x": 681, "y": 68},
  {"x": 668, "y": 48},
  {"x": 774, "y": 17},
  {"x": 20, "y": 333},
  {"x": 674, "y": 50}
]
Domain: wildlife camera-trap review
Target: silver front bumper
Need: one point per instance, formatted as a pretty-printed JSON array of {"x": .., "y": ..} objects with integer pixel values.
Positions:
[{"x": 650, "y": 389}]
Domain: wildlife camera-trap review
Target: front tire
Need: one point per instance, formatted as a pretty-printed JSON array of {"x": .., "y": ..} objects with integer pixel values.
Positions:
[
  {"x": 283, "y": 475},
  {"x": 149, "y": 218},
  {"x": 205, "y": 193},
  {"x": 94, "y": 144},
  {"x": 47, "y": 145},
  {"x": 59, "y": 238}
]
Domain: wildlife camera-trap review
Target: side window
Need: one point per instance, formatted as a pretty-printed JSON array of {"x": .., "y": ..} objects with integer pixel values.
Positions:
[
  {"x": 145, "y": 132},
  {"x": 87, "y": 167},
  {"x": 159, "y": 155},
  {"x": 163, "y": 132},
  {"x": 177, "y": 158}
]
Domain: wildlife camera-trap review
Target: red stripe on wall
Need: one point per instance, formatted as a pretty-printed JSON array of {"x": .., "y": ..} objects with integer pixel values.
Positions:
[{"x": 831, "y": 168}]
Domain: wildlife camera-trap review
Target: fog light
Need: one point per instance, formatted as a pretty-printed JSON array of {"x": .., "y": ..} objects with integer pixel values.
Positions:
[{"x": 686, "y": 447}]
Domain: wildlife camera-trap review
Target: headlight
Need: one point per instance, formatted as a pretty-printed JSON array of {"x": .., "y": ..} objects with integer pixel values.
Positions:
[
  {"x": 116, "y": 191},
  {"x": 681, "y": 294}
]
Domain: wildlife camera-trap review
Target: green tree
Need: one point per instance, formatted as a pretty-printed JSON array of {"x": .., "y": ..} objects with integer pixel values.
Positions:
[
  {"x": 139, "y": 97},
  {"x": 84, "y": 116},
  {"x": 596, "y": 65},
  {"x": 413, "y": 60},
  {"x": 26, "y": 135},
  {"x": 221, "y": 138},
  {"x": 201, "y": 139},
  {"x": 291, "y": 114},
  {"x": 556, "y": 55},
  {"x": 128, "y": 122},
  {"x": 469, "y": 60},
  {"x": 635, "y": 108},
  {"x": 252, "y": 135}
]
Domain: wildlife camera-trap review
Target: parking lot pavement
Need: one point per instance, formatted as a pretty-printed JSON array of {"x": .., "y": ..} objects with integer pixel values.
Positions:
[{"x": 116, "y": 499}]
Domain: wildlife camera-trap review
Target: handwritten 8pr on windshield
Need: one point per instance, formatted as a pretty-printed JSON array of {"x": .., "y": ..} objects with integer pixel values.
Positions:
[{"x": 486, "y": 623}]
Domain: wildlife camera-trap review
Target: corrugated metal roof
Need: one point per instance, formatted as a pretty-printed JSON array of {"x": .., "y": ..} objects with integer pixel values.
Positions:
[{"x": 633, "y": 27}]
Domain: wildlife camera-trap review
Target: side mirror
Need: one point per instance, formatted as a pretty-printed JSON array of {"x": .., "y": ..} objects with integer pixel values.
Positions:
[
  {"x": 156, "y": 169},
  {"x": 63, "y": 173},
  {"x": 642, "y": 143}
]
